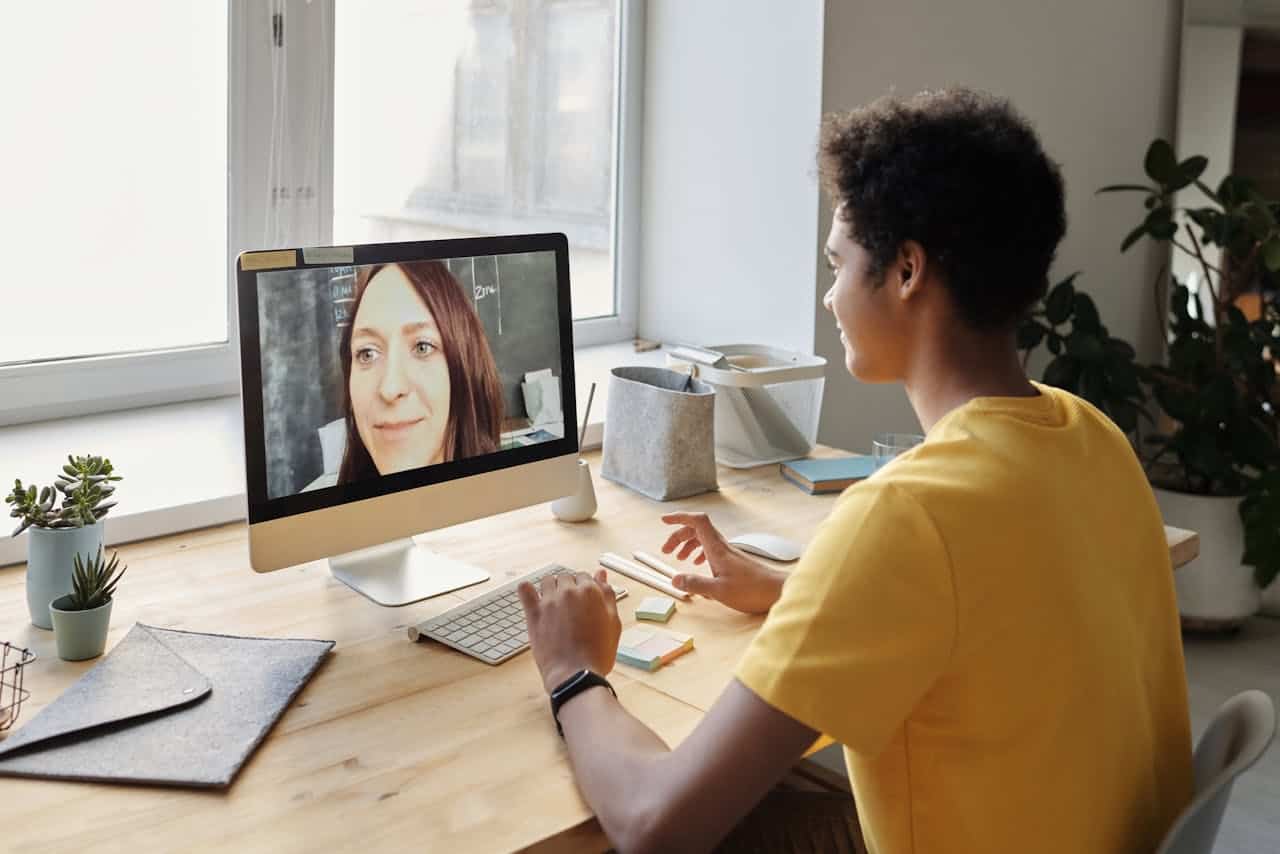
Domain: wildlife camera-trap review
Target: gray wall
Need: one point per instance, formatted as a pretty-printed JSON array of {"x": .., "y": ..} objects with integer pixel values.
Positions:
[{"x": 1098, "y": 80}]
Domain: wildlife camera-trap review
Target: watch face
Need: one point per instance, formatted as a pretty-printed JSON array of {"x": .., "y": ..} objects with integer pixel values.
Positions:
[{"x": 569, "y": 683}]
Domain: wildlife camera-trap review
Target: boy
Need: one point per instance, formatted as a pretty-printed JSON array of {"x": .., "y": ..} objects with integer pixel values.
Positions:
[{"x": 988, "y": 624}]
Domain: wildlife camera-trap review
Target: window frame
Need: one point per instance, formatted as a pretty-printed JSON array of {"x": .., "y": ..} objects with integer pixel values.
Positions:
[
  {"x": 74, "y": 387},
  {"x": 628, "y": 124}
]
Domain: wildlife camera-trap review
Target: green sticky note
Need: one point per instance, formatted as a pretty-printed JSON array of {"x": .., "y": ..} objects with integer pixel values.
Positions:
[
  {"x": 655, "y": 609},
  {"x": 650, "y": 664}
]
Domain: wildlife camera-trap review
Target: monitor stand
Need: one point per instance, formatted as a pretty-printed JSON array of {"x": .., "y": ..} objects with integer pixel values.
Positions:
[{"x": 401, "y": 571}]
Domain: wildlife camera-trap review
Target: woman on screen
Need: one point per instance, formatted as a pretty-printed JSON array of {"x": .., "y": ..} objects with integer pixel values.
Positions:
[{"x": 421, "y": 383}]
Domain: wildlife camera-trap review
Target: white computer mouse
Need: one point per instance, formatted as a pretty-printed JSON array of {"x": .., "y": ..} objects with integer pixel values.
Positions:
[{"x": 768, "y": 545}]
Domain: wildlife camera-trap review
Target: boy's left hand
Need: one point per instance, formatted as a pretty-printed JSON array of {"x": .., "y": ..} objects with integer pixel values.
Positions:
[{"x": 573, "y": 625}]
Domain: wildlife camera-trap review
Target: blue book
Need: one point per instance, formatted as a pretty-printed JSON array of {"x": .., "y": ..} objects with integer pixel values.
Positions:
[{"x": 827, "y": 475}]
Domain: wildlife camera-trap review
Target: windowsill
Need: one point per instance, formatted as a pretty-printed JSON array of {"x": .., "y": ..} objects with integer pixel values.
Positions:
[{"x": 183, "y": 463}]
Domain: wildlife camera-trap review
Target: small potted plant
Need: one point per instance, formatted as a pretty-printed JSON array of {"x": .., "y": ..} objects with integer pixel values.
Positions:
[
  {"x": 64, "y": 520},
  {"x": 81, "y": 618}
]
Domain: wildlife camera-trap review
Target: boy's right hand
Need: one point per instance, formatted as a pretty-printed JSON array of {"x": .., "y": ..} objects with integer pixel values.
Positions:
[{"x": 737, "y": 580}]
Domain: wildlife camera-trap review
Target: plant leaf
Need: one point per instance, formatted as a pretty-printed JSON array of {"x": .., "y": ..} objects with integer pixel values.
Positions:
[
  {"x": 1057, "y": 305},
  {"x": 1133, "y": 237},
  {"x": 1160, "y": 163},
  {"x": 1207, "y": 190},
  {"x": 1085, "y": 346},
  {"x": 1271, "y": 254},
  {"x": 1030, "y": 334},
  {"x": 1188, "y": 171},
  {"x": 1063, "y": 372},
  {"x": 1123, "y": 188},
  {"x": 1125, "y": 414},
  {"x": 1086, "y": 313}
]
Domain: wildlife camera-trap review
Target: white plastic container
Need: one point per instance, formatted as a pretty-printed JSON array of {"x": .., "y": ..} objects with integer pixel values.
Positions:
[{"x": 768, "y": 401}]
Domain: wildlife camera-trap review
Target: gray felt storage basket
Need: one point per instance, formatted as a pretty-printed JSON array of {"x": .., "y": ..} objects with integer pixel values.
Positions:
[{"x": 659, "y": 433}]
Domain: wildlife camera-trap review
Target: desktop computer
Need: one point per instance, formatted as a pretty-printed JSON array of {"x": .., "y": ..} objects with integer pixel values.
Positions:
[{"x": 391, "y": 389}]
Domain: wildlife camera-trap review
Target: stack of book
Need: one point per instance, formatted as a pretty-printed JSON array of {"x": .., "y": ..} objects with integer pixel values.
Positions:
[{"x": 834, "y": 474}]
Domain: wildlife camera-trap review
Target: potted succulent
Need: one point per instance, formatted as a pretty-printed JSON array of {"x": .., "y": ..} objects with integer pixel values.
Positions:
[
  {"x": 63, "y": 520},
  {"x": 81, "y": 618},
  {"x": 1214, "y": 456}
]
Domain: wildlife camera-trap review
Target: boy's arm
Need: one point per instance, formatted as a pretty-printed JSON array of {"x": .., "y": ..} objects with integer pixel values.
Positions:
[{"x": 648, "y": 798}]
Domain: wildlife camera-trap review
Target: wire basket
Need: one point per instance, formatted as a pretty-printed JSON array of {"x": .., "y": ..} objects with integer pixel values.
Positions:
[{"x": 12, "y": 661}]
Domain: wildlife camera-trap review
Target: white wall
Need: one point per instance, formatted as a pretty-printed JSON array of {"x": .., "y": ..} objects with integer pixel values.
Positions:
[
  {"x": 1207, "y": 90},
  {"x": 731, "y": 113},
  {"x": 1098, "y": 80}
]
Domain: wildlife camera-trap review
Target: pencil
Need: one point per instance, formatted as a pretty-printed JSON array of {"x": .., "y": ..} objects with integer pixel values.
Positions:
[
  {"x": 619, "y": 564},
  {"x": 653, "y": 562}
]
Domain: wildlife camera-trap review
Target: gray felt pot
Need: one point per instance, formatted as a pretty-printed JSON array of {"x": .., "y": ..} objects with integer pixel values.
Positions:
[
  {"x": 79, "y": 634},
  {"x": 659, "y": 433}
]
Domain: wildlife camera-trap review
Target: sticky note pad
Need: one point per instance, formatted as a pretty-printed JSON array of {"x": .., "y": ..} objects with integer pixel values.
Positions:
[
  {"x": 650, "y": 648},
  {"x": 655, "y": 609}
]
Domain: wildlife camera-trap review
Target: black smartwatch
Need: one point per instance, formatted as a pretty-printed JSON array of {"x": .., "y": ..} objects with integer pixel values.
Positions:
[{"x": 572, "y": 687}]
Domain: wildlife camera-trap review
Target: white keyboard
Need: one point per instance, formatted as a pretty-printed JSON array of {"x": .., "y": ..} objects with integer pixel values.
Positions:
[{"x": 490, "y": 627}]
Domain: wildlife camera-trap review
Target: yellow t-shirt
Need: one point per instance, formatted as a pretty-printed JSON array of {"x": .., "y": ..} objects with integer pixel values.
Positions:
[{"x": 988, "y": 625}]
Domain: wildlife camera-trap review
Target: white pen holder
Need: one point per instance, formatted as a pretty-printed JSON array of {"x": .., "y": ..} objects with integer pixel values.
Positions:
[{"x": 581, "y": 505}]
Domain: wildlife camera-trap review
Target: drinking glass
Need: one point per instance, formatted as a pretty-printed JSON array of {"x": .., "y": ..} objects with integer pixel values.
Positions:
[{"x": 886, "y": 446}]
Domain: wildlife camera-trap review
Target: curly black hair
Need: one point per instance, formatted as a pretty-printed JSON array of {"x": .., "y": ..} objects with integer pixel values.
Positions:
[{"x": 961, "y": 173}]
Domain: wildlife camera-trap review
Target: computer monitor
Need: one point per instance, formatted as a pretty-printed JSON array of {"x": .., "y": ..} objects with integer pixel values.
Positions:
[{"x": 391, "y": 389}]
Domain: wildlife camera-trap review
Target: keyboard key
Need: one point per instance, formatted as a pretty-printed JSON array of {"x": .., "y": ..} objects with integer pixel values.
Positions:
[{"x": 491, "y": 628}]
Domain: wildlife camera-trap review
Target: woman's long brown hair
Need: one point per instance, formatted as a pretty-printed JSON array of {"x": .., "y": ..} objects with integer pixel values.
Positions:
[{"x": 475, "y": 393}]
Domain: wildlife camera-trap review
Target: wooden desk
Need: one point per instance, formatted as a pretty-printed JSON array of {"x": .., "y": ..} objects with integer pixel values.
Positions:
[{"x": 392, "y": 745}]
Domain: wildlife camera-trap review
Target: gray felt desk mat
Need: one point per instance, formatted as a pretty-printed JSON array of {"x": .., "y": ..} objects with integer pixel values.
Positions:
[{"x": 165, "y": 707}]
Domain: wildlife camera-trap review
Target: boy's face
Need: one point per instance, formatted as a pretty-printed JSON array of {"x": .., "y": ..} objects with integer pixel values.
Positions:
[{"x": 869, "y": 314}]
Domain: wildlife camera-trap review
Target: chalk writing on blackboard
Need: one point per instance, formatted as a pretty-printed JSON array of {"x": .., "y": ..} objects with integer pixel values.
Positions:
[
  {"x": 342, "y": 291},
  {"x": 485, "y": 291}
]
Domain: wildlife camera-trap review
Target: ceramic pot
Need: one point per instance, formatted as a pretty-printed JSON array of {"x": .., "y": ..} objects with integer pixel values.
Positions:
[
  {"x": 581, "y": 505},
  {"x": 1215, "y": 591},
  {"x": 79, "y": 634},
  {"x": 1271, "y": 599},
  {"x": 51, "y": 562}
]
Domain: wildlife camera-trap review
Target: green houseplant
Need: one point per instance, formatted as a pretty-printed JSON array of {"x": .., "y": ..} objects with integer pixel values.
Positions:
[
  {"x": 62, "y": 521},
  {"x": 1214, "y": 455},
  {"x": 1087, "y": 359},
  {"x": 81, "y": 618}
]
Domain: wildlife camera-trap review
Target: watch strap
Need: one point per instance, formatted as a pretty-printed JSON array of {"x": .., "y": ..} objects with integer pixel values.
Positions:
[{"x": 572, "y": 687}]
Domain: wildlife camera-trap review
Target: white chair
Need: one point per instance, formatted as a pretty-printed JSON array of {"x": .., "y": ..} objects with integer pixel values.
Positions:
[{"x": 1236, "y": 738}]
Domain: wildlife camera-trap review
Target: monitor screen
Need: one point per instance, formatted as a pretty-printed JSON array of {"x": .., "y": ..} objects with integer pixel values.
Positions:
[{"x": 403, "y": 365}]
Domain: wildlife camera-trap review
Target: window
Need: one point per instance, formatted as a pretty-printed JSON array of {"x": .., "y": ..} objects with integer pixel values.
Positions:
[
  {"x": 468, "y": 117},
  {"x": 287, "y": 122},
  {"x": 115, "y": 209}
]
